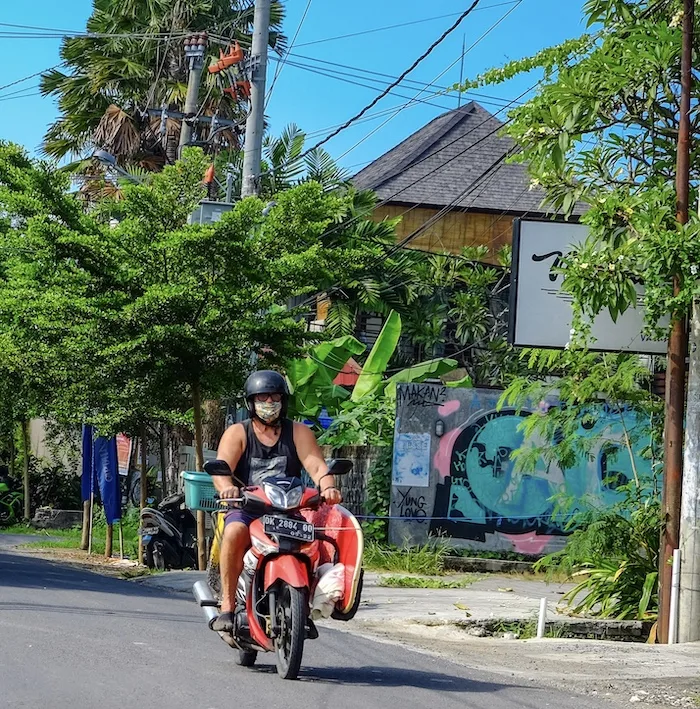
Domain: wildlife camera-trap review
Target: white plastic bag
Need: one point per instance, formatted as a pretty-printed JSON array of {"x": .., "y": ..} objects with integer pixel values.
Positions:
[{"x": 329, "y": 590}]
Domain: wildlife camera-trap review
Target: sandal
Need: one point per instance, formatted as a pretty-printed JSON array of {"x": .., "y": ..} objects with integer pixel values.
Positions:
[{"x": 222, "y": 623}]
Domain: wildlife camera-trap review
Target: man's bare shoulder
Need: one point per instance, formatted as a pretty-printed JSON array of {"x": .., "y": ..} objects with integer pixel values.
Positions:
[
  {"x": 234, "y": 433},
  {"x": 302, "y": 431}
]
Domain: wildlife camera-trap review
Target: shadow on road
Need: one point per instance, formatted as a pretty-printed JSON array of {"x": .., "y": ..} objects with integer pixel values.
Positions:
[
  {"x": 19, "y": 571},
  {"x": 373, "y": 676},
  {"x": 102, "y": 612}
]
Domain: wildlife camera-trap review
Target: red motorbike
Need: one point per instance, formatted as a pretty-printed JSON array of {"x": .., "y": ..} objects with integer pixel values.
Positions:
[{"x": 294, "y": 543}]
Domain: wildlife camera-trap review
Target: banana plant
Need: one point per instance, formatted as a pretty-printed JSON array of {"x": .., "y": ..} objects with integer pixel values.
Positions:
[{"x": 311, "y": 378}]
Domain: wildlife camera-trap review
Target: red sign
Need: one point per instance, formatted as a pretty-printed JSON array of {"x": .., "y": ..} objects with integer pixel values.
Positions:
[{"x": 123, "y": 453}]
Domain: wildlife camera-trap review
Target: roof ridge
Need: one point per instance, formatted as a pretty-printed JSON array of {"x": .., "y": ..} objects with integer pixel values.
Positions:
[{"x": 459, "y": 114}]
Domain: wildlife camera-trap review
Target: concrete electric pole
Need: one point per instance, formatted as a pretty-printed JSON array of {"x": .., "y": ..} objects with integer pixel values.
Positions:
[
  {"x": 252, "y": 155},
  {"x": 677, "y": 350},
  {"x": 195, "y": 48}
]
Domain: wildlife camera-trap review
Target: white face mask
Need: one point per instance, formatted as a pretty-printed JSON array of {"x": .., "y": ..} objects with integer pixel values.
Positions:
[{"x": 268, "y": 411}]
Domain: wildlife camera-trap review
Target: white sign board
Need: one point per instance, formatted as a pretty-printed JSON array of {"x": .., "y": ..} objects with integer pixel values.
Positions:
[
  {"x": 411, "y": 460},
  {"x": 541, "y": 312}
]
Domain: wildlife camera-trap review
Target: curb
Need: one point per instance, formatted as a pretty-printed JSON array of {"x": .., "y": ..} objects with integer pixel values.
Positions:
[
  {"x": 636, "y": 631},
  {"x": 475, "y": 564}
]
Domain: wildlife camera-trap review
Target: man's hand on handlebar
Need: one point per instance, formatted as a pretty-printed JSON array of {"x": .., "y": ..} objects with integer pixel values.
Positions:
[
  {"x": 230, "y": 493},
  {"x": 332, "y": 495}
]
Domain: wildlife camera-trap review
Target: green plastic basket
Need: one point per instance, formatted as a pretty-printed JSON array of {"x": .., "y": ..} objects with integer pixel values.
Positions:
[{"x": 200, "y": 493}]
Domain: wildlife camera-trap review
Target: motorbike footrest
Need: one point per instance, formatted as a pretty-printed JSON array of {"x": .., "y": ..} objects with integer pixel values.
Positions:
[{"x": 311, "y": 630}]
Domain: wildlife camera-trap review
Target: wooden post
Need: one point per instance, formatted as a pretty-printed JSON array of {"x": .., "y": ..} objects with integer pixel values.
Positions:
[
  {"x": 87, "y": 514},
  {"x": 144, "y": 480},
  {"x": 25, "y": 471},
  {"x": 677, "y": 350},
  {"x": 109, "y": 541},
  {"x": 92, "y": 509},
  {"x": 199, "y": 457},
  {"x": 121, "y": 541}
]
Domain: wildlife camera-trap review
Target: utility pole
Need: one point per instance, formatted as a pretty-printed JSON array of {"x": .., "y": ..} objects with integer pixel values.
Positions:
[
  {"x": 677, "y": 350},
  {"x": 195, "y": 48},
  {"x": 252, "y": 156},
  {"x": 689, "y": 601}
]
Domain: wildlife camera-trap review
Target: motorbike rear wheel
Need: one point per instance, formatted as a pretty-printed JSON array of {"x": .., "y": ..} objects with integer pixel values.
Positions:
[
  {"x": 289, "y": 644},
  {"x": 247, "y": 658}
]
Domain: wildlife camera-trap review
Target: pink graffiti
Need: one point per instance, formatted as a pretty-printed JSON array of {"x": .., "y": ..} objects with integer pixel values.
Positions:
[
  {"x": 449, "y": 408},
  {"x": 443, "y": 457},
  {"x": 532, "y": 543}
]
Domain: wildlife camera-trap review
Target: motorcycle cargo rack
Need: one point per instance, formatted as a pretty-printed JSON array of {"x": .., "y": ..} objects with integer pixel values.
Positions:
[{"x": 200, "y": 493}]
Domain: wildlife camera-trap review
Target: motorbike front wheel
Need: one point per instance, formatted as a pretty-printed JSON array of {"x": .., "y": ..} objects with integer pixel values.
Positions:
[{"x": 289, "y": 644}]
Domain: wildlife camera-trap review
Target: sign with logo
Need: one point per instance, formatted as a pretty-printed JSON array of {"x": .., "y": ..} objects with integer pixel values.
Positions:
[{"x": 541, "y": 312}]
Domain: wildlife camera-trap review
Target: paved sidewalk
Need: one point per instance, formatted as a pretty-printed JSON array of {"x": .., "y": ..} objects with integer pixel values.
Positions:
[{"x": 490, "y": 597}]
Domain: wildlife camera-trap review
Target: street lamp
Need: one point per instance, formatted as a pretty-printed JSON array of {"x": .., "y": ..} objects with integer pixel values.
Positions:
[{"x": 110, "y": 162}]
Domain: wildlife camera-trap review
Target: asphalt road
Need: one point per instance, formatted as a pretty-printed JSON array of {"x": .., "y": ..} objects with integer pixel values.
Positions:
[{"x": 71, "y": 639}]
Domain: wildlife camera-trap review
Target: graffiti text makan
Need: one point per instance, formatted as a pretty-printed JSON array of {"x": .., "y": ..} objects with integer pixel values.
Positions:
[
  {"x": 410, "y": 505},
  {"x": 422, "y": 395}
]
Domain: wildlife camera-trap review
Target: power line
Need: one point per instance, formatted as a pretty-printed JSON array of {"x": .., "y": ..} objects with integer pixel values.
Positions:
[
  {"x": 31, "y": 76},
  {"x": 403, "y": 24},
  {"x": 280, "y": 65},
  {"x": 440, "y": 75},
  {"x": 421, "y": 58},
  {"x": 420, "y": 84}
]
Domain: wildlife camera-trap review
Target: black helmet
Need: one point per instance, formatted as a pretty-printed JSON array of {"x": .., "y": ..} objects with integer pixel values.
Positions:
[{"x": 266, "y": 382}]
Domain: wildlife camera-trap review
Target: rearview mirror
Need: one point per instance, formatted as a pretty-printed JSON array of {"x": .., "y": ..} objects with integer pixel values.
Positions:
[
  {"x": 217, "y": 467},
  {"x": 340, "y": 466}
]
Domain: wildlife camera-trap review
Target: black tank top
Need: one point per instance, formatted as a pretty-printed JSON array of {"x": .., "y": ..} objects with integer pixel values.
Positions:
[{"x": 260, "y": 461}]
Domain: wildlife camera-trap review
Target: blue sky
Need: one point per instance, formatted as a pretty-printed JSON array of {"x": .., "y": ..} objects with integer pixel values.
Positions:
[{"x": 317, "y": 102}]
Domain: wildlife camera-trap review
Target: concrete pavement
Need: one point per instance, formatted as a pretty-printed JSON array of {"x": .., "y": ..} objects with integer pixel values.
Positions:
[
  {"x": 69, "y": 638},
  {"x": 486, "y": 598}
]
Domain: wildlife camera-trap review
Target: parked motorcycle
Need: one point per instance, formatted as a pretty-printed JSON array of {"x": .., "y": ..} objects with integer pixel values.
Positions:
[
  {"x": 305, "y": 561},
  {"x": 169, "y": 534}
]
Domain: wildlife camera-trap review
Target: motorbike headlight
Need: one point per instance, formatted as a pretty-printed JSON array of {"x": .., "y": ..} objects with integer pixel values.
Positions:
[
  {"x": 263, "y": 547},
  {"x": 294, "y": 497},
  {"x": 276, "y": 496}
]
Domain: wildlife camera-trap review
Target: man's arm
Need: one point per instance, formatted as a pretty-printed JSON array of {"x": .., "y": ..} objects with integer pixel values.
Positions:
[
  {"x": 231, "y": 447},
  {"x": 311, "y": 458}
]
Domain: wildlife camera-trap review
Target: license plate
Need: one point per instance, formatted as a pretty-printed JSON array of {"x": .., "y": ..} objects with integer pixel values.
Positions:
[
  {"x": 292, "y": 528},
  {"x": 149, "y": 530}
]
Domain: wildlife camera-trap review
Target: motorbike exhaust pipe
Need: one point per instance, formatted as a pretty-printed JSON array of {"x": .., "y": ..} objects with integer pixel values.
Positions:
[{"x": 206, "y": 600}]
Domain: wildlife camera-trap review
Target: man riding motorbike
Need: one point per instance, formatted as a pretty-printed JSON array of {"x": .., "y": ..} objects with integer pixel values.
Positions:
[{"x": 265, "y": 445}]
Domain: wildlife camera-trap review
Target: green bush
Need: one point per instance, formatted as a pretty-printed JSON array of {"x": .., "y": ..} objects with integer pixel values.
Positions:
[
  {"x": 53, "y": 485},
  {"x": 614, "y": 557}
]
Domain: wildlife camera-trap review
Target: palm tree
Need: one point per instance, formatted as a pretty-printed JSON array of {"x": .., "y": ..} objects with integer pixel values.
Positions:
[
  {"x": 284, "y": 164},
  {"x": 134, "y": 60}
]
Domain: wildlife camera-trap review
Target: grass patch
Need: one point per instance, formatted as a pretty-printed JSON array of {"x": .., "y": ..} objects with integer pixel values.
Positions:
[
  {"x": 71, "y": 538},
  {"x": 426, "y": 582},
  {"x": 428, "y": 559}
]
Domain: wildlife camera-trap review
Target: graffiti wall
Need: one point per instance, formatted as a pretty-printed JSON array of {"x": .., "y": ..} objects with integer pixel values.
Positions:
[{"x": 453, "y": 474}]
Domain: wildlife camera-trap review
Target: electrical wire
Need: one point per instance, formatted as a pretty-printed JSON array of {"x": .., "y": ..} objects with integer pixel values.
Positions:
[
  {"x": 31, "y": 76},
  {"x": 421, "y": 84},
  {"x": 439, "y": 76},
  {"x": 420, "y": 59},
  {"x": 280, "y": 65},
  {"x": 403, "y": 24}
]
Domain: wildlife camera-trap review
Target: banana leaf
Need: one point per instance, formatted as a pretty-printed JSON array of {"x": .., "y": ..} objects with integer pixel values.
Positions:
[
  {"x": 419, "y": 373},
  {"x": 370, "y": 379}
]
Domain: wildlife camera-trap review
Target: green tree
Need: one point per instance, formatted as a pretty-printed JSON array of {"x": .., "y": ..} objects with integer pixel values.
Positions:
[
  {"x": 284, "y": 165},
  {"x": 602, "y": 130},
  {"x": 134, "y": 60}
]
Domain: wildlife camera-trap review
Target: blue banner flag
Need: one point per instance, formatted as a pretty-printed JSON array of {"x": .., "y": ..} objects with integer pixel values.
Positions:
[
  {"x": 107, "y": 474},
  {"x": 87, "y": 474}
]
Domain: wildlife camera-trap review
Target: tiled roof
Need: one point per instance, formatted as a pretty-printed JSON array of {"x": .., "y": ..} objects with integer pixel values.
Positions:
[{"x": 455, "y": 160}]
